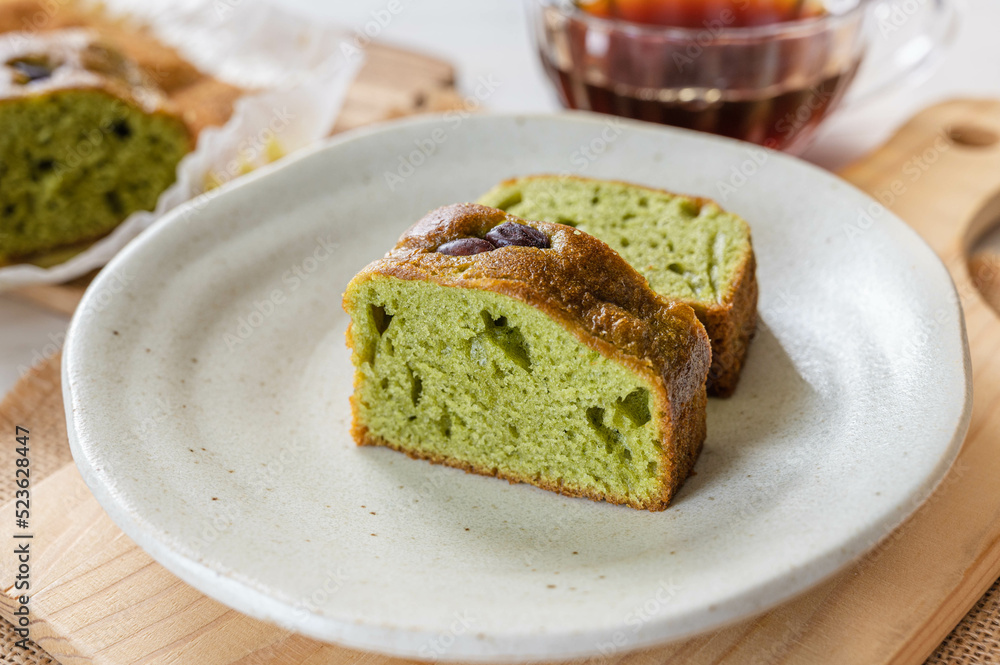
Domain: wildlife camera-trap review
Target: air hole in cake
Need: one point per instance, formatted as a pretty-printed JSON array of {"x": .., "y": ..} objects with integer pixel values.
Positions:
[
  {"x": 635, "y": 406},
  {"x": 627, "y": 216},
  {"x": 643, "y": 202},
  {"x": 385, "y": 384},
  {"x": 416, "y": 386},
  {"x": 45, "y": 165},
  {"x": 595, "y": 200},
  {"x": 625, "y": 242},
  {"x": 114, "y": 203},
  {"x": 444, "y": 424},
  {"x": 508, "y": 339},
  {"x": 380, "y": 318},
  {"x": 567, "y": 221},
  {"x": 690, "y": 207},
  {"x": 595, "y": 416},
  {"x": 121, "y": 129},
  {"x": 652, "y": 469},
  {"x": 513, "y": 430},
  {"x": 676, "y": 268}
]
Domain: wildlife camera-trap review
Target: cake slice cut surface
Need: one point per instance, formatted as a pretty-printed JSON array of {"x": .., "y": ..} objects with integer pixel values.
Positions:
[
  {"x": 554, "y": 366},
  {"x": 689, "y": 249}
]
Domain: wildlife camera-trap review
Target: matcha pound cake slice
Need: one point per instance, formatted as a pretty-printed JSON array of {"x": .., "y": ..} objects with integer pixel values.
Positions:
[
  {"x": 84, "y": 142},
  {"x": 689, "y": 249},
  {"x": 528, "y": 351}
]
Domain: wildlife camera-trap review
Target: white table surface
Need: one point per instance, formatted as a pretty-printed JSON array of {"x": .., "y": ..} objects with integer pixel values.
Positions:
[{"x": 489, "y": 38}]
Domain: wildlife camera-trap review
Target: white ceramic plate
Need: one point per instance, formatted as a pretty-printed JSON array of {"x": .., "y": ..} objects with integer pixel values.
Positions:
[{"x": 207, "y": 380}]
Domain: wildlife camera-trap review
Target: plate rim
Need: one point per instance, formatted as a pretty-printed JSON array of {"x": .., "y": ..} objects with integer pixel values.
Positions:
[{"x": 225, "y": 587}]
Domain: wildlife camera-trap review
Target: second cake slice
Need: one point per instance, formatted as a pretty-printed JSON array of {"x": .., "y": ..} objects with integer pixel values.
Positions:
[{"x": 688, "y": 248}]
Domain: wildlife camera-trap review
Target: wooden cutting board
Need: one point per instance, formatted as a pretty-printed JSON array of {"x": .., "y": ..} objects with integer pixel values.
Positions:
[{"x": 100, "y": 599}]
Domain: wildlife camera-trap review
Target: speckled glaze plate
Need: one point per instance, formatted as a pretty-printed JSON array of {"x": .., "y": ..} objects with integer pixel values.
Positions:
[{"x": 207, "y": 381}]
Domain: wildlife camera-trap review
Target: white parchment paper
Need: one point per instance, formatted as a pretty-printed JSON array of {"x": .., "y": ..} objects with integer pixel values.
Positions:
[{"x": 300, "y": 74}]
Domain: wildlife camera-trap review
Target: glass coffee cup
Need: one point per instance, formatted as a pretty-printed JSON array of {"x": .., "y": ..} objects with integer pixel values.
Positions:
[{"x": 738, "y": 68}]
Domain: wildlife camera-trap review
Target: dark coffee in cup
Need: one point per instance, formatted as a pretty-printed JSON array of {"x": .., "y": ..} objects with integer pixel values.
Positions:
[{"x": 765, "y": 71}]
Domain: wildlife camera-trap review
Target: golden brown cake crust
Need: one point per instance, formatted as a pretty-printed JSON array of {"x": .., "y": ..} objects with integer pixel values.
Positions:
[
  {"x": 731, "y": 322},
  {"x": 731, "y": 325},
  {"x": 590, "y": 290}
]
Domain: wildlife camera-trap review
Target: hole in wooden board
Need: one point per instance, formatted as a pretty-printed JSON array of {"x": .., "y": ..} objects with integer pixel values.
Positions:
[
  {"x": 983, "y": 252},
  {"x": 985, "y": 270},
  {"x": 972, "y": 136}
]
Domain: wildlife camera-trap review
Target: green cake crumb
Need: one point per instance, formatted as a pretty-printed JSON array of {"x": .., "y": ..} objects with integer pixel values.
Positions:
[
  {"x": 687, "y": 249},
  {"x": 487, "y": 380},
  {"x": 75, "y": 163}
]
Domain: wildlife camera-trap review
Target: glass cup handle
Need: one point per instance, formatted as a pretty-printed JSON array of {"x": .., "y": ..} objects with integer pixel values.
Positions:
[{"x": 907, "y": 40}]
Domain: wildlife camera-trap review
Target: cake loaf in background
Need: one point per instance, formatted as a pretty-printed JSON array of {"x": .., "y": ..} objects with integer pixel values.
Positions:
[{"x": 95, "y": 115}]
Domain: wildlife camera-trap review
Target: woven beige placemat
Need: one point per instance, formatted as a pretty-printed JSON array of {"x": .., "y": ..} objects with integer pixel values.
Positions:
[
  {"x": 45, "y": 459},
  {"x": 975, "y": 640}
]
